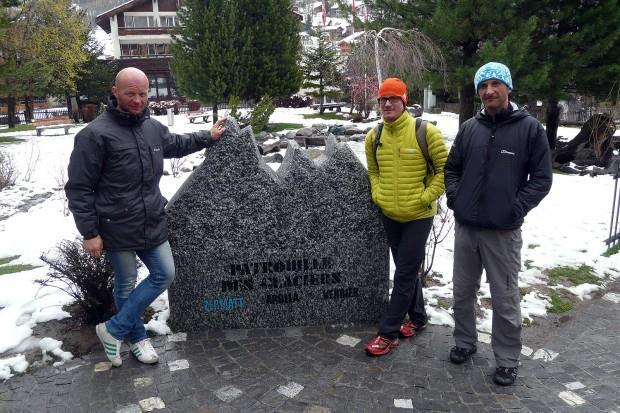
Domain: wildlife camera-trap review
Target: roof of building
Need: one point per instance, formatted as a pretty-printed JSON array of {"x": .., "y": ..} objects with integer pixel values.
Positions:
[{"x": 103, "y": 19}]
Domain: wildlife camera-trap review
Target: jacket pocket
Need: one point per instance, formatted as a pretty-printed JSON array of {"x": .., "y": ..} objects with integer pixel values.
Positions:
[{"x": 157, "y": 160}]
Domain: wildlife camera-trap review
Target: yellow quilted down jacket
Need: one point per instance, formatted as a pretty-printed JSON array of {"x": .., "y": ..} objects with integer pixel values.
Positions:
[{"x": 397, "y": 175}]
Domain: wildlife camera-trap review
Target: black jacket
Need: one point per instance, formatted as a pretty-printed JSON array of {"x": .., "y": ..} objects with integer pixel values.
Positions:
[
  {"x": 114, "y": 172},
  {"x": 498, "y": 170}
]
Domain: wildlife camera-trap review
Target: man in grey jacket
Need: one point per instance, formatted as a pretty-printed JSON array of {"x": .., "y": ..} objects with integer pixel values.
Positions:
[
  {"x": 498, "y": 169},
  {"x": 113, "y": 192}
]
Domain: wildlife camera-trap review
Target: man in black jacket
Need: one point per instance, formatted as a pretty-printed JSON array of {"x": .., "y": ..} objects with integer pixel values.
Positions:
[
  {"x": 113, "y": 192},
  {"x": 499, "y": 168}
]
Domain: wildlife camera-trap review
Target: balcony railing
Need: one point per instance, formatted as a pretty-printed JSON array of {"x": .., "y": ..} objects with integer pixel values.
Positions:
[{"x": 124, "y": 31}]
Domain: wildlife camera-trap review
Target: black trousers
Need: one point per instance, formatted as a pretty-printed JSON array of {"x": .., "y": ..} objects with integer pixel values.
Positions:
[{"x": 407, "y": 242}]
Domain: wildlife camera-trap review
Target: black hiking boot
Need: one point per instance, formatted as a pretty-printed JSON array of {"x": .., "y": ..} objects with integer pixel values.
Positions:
[{"x": 459, "y": 355}]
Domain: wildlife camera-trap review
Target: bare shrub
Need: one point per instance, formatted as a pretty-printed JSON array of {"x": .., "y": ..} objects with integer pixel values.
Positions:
[
  {"x": 87, "y": 279},
  {"x": 8, "y": 172},
  {"x": 32, "y": 160},
  {"x": 442, "y": 225},
  {"x": 175, "y": 166},
  {"x": 61, "y": 180},
  {"x": 408, "y": 54}
]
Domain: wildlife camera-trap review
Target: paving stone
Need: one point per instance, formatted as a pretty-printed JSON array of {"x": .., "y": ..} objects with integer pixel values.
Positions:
[
  {"x": 228, "y": 393},
  {"x": 335, "y": 376},
  {"x": 152, "y": 403}
]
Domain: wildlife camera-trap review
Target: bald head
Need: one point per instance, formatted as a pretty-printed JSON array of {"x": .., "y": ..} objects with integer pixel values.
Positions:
[
  {"x": 130, "y": 75},
  {"x": 131, "y": 90}
]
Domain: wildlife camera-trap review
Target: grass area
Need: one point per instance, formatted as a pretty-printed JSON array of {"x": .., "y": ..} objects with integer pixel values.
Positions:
[
  {"x": 575, "y": 276},
  {"x": 528, "y": 322},
  {"x": 611, "y": 251},
  {"x": 559, "y": 304},
  {"x": 277, "y": 127},
  {"x": 528, "y": 264},
  {"x": 6, "y": 260},
  {"x": 558, "y": 172},
  {"x": 18, "y": 128},
  {"x": 532, "y": 246},
  {"x": 10, "y": 139},
  {"x": 326, "y": 116},
  {"x": 523, "y": 291},
  {"x": 443, "y": 303},
  {"x": 10, "y": 269}
]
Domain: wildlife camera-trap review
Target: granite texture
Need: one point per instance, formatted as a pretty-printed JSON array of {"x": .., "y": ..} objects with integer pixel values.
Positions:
[{"x": 258, "y": 248}]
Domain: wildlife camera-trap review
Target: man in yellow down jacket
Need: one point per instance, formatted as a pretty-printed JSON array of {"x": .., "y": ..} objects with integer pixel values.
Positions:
[{"x": 406, "y": 193}]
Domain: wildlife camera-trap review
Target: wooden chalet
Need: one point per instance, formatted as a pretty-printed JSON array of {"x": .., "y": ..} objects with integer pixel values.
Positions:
[{"x": 141, "y": 36}]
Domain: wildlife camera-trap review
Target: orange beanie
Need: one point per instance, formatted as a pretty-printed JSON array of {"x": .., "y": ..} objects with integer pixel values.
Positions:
[{"x": 393, "y": 86}]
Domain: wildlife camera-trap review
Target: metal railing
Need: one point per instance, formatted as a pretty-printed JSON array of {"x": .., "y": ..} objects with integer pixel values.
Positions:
[
  {"x": 37, "y": 114},
  {"x": 614, "y": 234}
]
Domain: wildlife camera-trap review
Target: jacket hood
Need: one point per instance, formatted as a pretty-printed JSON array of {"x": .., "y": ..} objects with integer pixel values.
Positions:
[
  {"x": 126, "y": 118},
  {"x": 511, "y": 114}
]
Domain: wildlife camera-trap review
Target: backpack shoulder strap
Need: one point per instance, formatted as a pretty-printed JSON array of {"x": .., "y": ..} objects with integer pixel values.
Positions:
[
  {"x": 420, "y": 128},
  {"x": 377, "y": 141}
]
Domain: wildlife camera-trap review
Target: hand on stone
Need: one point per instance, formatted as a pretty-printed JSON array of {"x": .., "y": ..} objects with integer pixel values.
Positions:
[
  {"x": 93, "y": 246},
  {"x": 218, "y": 129}
]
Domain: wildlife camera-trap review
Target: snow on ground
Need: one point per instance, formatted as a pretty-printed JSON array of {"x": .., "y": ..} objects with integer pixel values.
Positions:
[{"x": 567, "y": 228}]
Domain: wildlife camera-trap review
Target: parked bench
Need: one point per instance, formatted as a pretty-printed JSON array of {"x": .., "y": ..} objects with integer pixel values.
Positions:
[
  {"x": 192, "y": 116},
  {"x": 63, "y": 122},
  {"x": 331, "y": 106}
]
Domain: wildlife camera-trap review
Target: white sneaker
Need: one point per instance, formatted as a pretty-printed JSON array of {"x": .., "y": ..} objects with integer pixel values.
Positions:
[
  {"x": 111, "y": 346},
  {"x": 144, "y": 351}
]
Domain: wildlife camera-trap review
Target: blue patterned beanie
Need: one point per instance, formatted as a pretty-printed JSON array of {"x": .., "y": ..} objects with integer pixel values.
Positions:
[{"x": 493, "y": 70}]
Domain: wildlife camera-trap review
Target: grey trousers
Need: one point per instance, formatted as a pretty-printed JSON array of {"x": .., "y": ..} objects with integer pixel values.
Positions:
[{"x": 499, "y": 253}]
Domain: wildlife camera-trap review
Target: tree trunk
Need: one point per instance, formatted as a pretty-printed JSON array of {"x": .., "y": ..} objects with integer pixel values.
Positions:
[
  {"x": 214, "y": 113},
  {"x": 466, "y": 102},
  {"x": 10, "y": 110},
  {"x": 28, "y": 109},
  {"x": 79, "y": 105},
  {"x": 591, "y": 146},
  {"x": 69, "y": 106},
  {"x": 552, "y": 121}
]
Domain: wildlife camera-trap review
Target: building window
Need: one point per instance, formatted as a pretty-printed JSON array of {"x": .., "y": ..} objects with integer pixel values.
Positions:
[
  {"x": 158, "y": 87},
  {"x": 144, "y": 50},
  {"x": 167, "y": 21},
  {"x": 139, "y": 22}
]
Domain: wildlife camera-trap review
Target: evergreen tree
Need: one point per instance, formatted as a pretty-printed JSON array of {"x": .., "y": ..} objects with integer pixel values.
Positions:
[
  {"x": 95, "y": 75},
  {"x": 577, "y": 44},
  {"x": 210, "y": 51},
  {"x": 275, "y": 47},
  {"x": 320, "y": 69},
  {"x": 241, "y": 48},
  {"x": 469, "y": 33}
]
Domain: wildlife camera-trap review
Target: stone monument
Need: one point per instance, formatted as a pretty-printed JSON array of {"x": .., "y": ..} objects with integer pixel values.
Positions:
[{"x": 303, "y": 245}]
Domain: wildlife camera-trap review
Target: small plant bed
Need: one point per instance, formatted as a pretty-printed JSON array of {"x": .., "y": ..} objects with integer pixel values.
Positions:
[
  {"x": 325, "y": 116},
  {"x": 5, "y": 268},
  {"x": 572, "y": 275},
  {"x": 277, "y": 127}
]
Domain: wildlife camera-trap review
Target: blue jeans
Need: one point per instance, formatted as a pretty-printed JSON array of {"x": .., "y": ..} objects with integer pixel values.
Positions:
[{"x": 131, "y": 302}]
